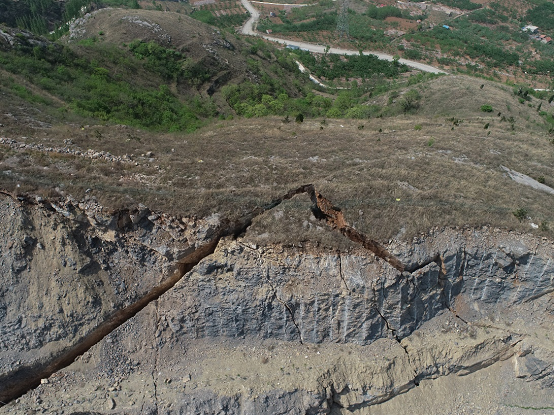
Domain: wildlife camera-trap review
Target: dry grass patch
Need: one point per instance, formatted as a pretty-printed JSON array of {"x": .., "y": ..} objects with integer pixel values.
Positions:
[{"x": 393, "y": 183}]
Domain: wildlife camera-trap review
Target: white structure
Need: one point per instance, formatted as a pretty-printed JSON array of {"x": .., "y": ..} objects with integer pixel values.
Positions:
[{"x": 530, "y": 29}]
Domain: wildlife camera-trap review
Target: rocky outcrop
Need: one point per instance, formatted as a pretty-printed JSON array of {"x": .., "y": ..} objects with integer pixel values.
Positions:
[
  {"x": 315, "y": 297},
  {"x": 68, "y": 266},
  {"x": 11, "y": 38},
  {"x": 264, "y": 329}
]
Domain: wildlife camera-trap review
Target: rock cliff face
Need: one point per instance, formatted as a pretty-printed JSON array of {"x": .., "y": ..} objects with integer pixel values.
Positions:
[
  {"x": 318, "y": 297},
  {"x": 68, "y": 266},
  {"x": 267, "y": 329}
]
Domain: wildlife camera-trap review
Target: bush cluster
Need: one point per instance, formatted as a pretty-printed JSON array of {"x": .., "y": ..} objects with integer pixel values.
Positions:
[
  {"x": 350, "y": 66},
  {"x": 486, "y": 108}
]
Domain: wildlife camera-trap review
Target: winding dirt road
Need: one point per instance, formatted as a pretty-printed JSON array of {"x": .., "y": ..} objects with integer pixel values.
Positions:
[{"x": 249, "y": 29}]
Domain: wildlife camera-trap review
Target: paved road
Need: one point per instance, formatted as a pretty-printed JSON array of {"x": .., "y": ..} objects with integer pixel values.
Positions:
[{"x": 248, "y": 29}]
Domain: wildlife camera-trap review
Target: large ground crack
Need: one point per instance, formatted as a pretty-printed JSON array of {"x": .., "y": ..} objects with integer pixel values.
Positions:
[
  {"x": 19, "y": 381},
  {"x": 324, "y": 209},
  {"x": 416, "y": 378}
]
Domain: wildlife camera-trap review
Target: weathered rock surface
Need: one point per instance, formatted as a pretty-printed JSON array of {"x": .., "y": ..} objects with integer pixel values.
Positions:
[
  {"x": 66, "y": 266},
  {"x": 271, "y": 329},
  {"x": 271, "y": 292}
]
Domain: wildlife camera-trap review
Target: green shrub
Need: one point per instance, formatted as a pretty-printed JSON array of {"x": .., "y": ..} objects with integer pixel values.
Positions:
[
  {"x": 334, "y": 112},
  {"x": 413, "y": 54},
  {"x": 359, "y": 112},
  {"x": 410, "y": 101},
  {"x": 520, "y": 213},
  {"x": 486, "y": 108},
  {"x": 381, "y": 13}
]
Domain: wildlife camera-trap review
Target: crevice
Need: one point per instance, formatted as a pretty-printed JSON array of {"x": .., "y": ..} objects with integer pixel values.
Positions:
[
  {"x": 536, "y": 296},
  {"x": 442, "y": 279},
  {"x": 156, "y": 359},
  {"x": 462, "y": 265},
  {"x": 340, "y": 271},
  {"x": 389, "y": 327},
  {"x": 155, "y": 386},
  {"x": 533, "y": 408},
  {"x": 17, "y": 382},
  {"x": 289, "y": 309},
  {"x": 417, "y": 377},
  {"x": 291, "y": 313},
  {"x": 11, "y": 196},
  {"x": 502, "y": 355},
  {"x": 460, "y": 318},
  {"x": 417, "y": 267},
  {"x": 333, "y": 400},
  {"x": 323, "y": 209}
]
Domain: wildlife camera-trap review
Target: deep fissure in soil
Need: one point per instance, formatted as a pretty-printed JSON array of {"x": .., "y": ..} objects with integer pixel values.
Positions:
[{"x": 16, "y": 383}]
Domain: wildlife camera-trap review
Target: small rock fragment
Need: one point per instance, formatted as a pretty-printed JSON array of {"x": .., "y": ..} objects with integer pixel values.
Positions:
[{"x": 110, "y": 403}]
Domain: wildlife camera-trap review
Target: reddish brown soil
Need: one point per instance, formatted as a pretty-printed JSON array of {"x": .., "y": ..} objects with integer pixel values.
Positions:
[{"x": 403, "y": 24}]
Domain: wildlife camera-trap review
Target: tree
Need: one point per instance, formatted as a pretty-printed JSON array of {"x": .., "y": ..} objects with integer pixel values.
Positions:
[{"x": 410, "y": 100}]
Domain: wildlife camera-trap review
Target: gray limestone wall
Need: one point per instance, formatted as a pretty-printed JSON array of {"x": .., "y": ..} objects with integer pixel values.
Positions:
[{"x": 292, "y": 295}]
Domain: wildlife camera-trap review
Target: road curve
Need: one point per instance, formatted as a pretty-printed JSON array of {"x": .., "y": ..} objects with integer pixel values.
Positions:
[{"x": 249, "y": 29}]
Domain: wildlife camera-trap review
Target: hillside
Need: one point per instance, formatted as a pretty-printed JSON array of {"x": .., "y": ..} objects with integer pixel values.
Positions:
[
  {"x": 483, "y": 38},
  {"x": 213, "y": 59},
  {"x": 443, "y": 160},
  {"x": 188, "y": 224},
  {"x": 146, "y": 68}
]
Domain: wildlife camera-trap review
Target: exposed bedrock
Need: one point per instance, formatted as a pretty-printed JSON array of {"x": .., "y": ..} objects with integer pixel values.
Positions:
[
  {"x": 315, "y": 297},
  {"x": 67, "y": 268},
  {"x": 261, "y": 329}
]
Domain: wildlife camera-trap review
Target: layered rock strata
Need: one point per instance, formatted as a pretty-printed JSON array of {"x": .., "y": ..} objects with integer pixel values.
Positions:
[{"x": 264, "y": 329}]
